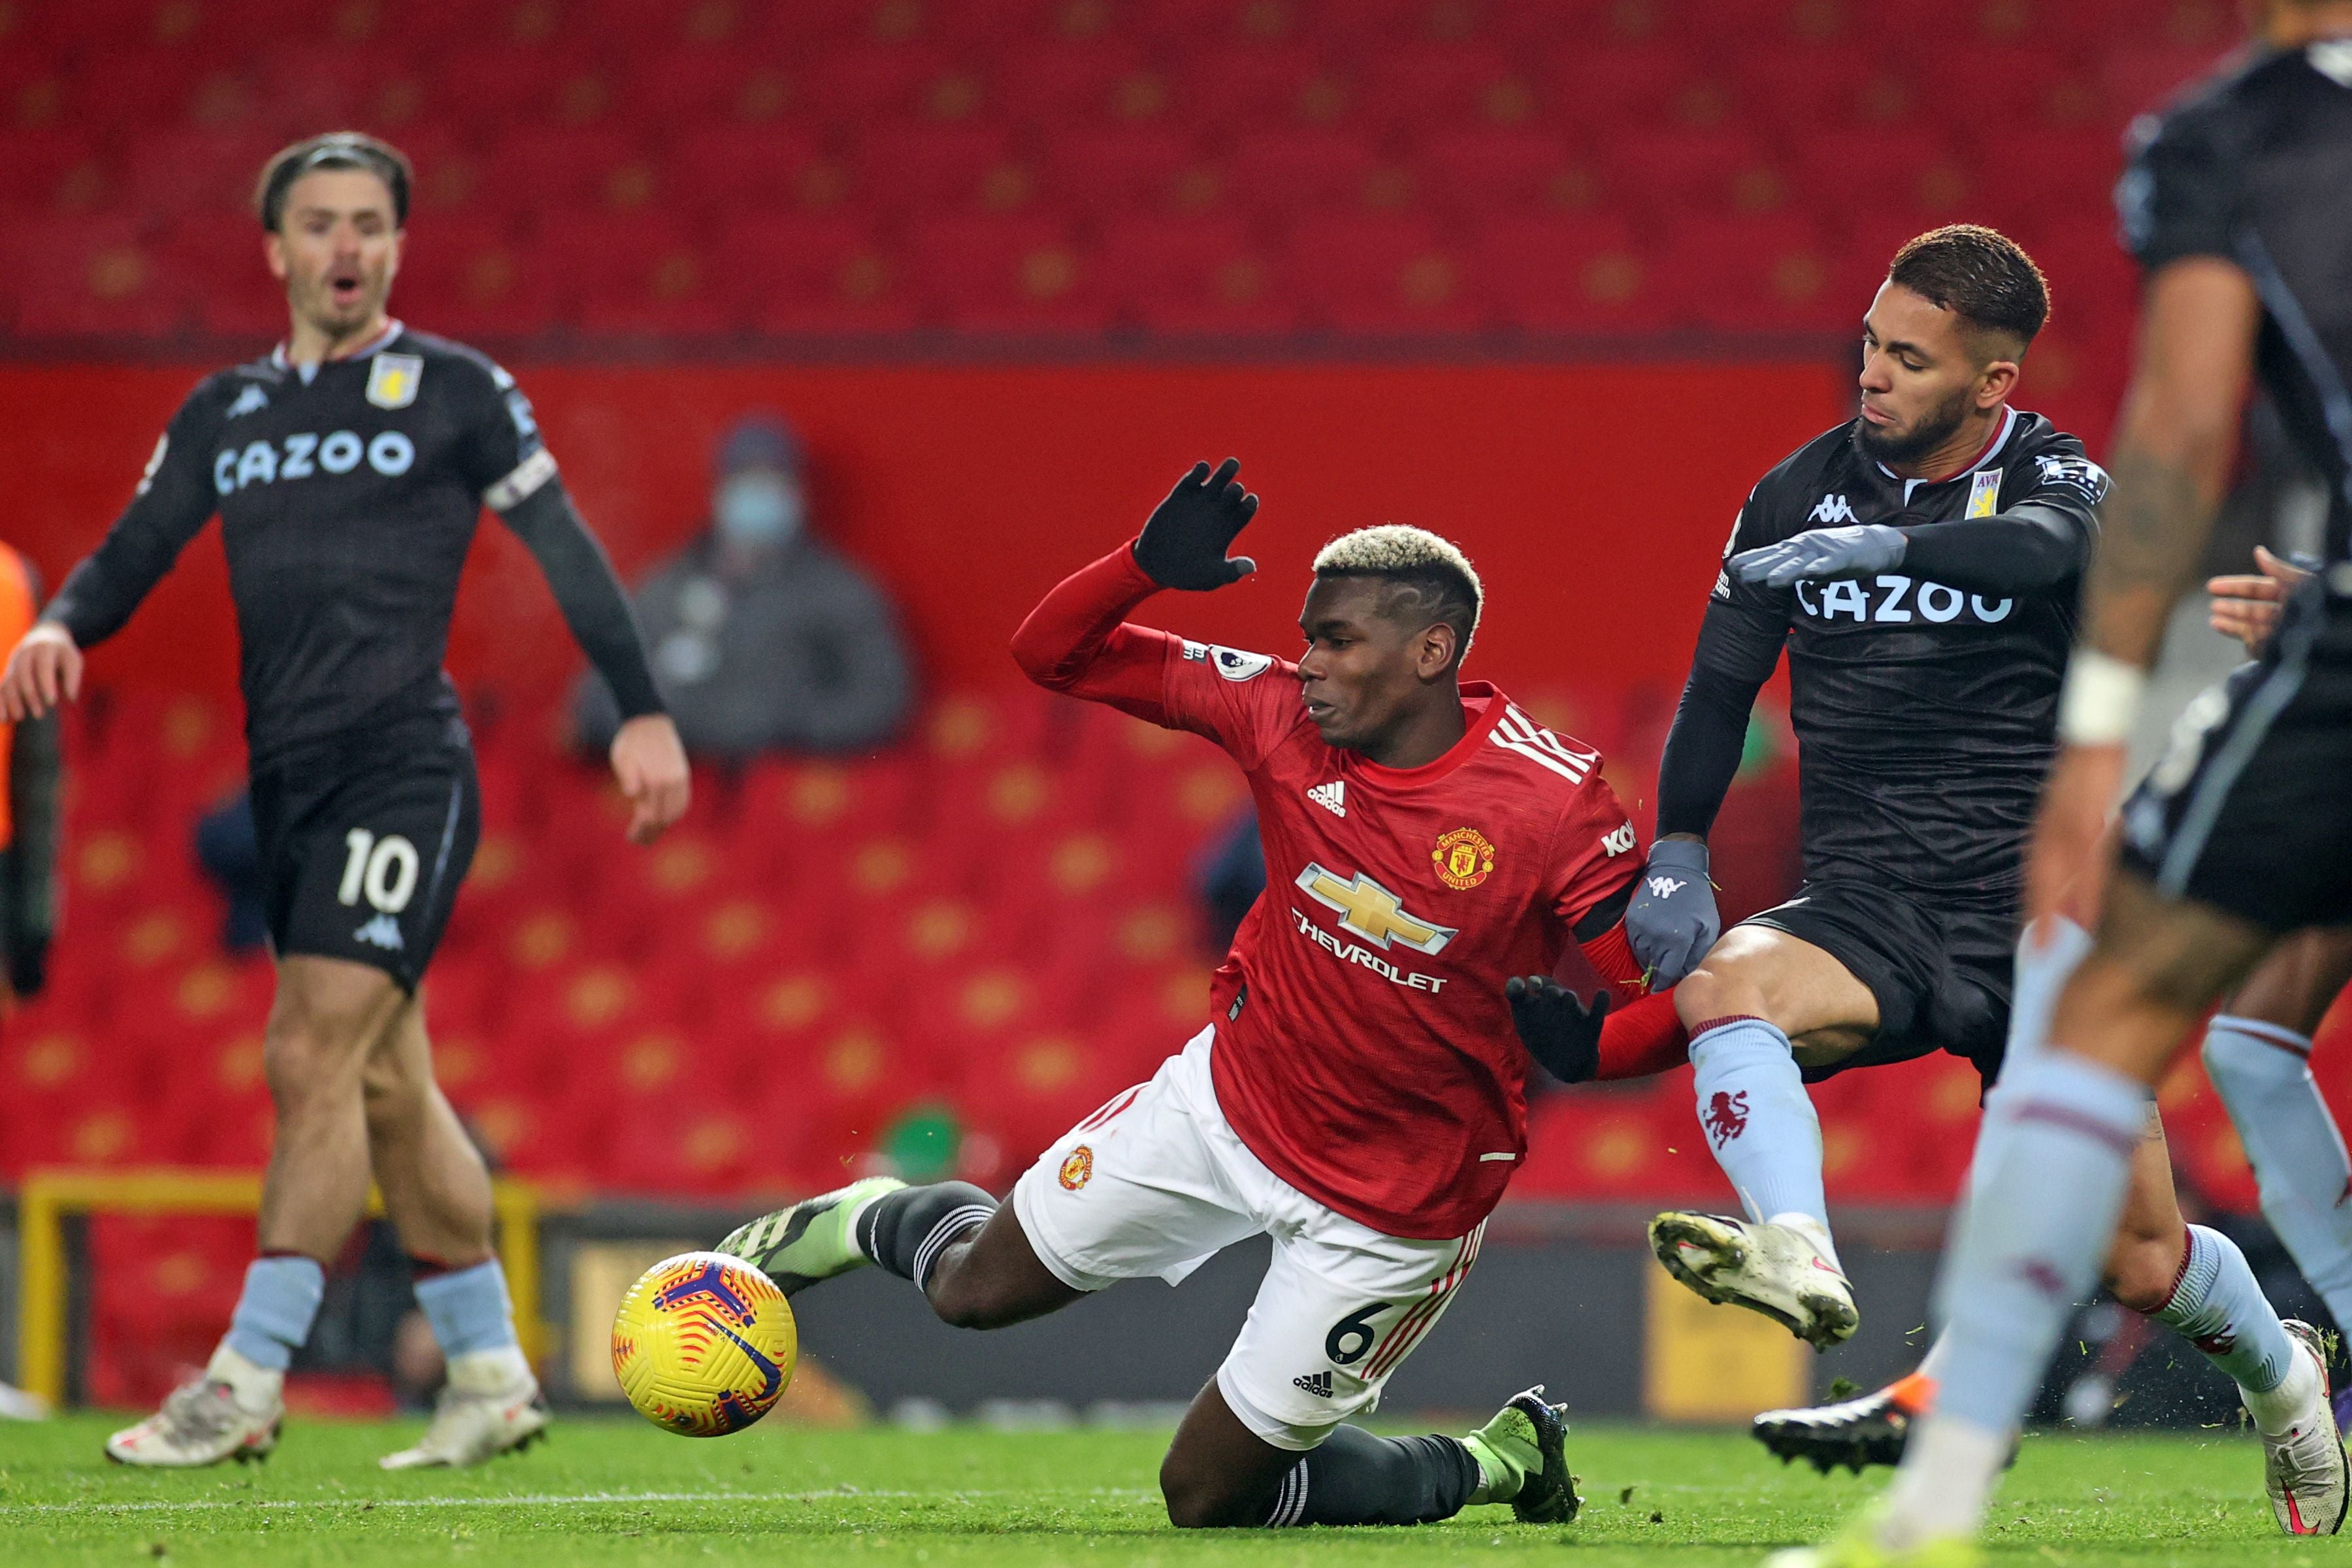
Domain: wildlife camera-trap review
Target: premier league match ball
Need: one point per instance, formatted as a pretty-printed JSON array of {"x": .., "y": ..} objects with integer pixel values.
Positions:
[{"x": 704, "y": 1344}]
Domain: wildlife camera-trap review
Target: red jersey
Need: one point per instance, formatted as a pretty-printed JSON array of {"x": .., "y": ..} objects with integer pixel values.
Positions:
[{"x": 1364, "y": 1048}]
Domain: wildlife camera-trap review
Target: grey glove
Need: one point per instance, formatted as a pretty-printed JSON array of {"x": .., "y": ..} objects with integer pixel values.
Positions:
[
  {"x": 1857, "y": 551},
  {"x": 1672, "y": 921}
]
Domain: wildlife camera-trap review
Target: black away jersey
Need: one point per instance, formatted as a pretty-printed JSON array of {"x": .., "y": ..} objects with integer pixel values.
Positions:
[
  {"x": 2256, "y": 166},
  {"x": 1925, "y": 715},
  {"x": 348, "y": 493}
]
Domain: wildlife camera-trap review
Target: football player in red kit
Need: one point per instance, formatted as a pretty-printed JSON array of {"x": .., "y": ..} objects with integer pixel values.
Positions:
[{"x": 1357, "y": 1094}]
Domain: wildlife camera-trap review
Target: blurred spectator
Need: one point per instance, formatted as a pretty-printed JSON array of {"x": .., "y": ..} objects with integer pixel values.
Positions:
[
  {"x": 764, "y": 637},
  {"x": 30, "y": 805},
  {"x": 231, "y": 856},
  {"x": 1230, "y": 876}
]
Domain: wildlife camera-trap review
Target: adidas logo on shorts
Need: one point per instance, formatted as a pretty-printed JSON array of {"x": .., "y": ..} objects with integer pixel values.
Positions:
[
  {"x": 383, "y": 931},
  {"x": 1317, "y": 1383}
]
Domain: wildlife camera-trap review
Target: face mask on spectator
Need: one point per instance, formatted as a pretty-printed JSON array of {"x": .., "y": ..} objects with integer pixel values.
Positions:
[{"x": 758, "y": 511}]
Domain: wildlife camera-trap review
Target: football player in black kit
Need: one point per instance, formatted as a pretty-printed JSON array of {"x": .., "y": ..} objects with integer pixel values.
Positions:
[
  {"x": 1920, "y": 563},
  {"x": 2244, "y": 831},
  {"x": 349, "y": 467}
]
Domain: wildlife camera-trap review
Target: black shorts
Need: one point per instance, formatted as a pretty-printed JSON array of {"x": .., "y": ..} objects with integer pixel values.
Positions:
[
  {"x": 363, "y": 848},
  {"x": 2250, "y": 809},
  {"x": 1940, "y": 969}
]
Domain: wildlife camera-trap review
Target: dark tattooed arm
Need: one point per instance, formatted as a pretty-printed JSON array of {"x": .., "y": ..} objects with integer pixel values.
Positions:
[{"x": 2172, "y": 451}]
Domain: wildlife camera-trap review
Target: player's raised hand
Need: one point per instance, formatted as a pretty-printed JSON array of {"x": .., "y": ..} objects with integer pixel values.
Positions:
[
  {"x": 44, "y": 670},
  {"x": 1183, "y": 543},
  {"x": 1672, "y": 921},
  {"x": 1558, "y": 1030},
  {"x": 2247, "y": 607},
  {"x": 1858, "y": 551},
  {"x": 650, "y": 765}
]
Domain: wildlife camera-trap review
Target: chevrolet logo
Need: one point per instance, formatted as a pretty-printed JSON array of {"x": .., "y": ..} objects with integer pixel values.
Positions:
[{"x": 1372, "y": 911}]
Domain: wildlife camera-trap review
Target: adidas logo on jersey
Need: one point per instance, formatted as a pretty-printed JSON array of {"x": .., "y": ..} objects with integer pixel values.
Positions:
[
  {"x": 1317, "y": 1383},
  {"x": 383, "y": 931},
  {"x": 1832, "y": 510},
  {"x": 252, "y": 400},
  {"x": 1332, "y": 797}
]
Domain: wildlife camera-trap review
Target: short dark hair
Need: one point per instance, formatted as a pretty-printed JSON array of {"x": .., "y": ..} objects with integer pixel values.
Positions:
[
  {"x": 1979, "y": 274},
  {"x": 1416, "y": 565},
  {"x": 335, "y": 150}
]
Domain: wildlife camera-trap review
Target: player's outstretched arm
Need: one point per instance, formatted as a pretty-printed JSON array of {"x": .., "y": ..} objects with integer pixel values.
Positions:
[
  {"x": 1185, "y": 541},
  {"x": 44, "y": 670},
  {"x": 2247, "y": 606},
  {"x": 1861, "y": 551}
]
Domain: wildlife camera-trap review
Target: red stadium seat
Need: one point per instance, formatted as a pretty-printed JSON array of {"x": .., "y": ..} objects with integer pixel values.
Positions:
[
  {"x": 1192, "y": 275},
  {"x": 1104, "y": 172},
  {"x": 1612, "y": 87},
  {"x": 1674, "y": 172},
  {"x": 633, "y": 275},
  {"x": 1567, "y": 274},
  {"x": 1005, "y": 274},
  {"x": 1227, "y": 86},
  {"x": 1380, "y": 272},
  {"x": 1441, "y": 85},
  {"x": 866, "y": 84},
  {"x": 1277, "y": 173},
  {"x": 487, "y": 88},
  {"x": 926, "y": 168},
  {"x": 470, "y": 278},
  {"x": 1730, "y": 274},
  {"x": 90, "y": 278},
  {"x": 1477, "y": 173},
  {"x": 50, "y": 173},
  {"x": 1062, "y": 82},
  {"x": 734, "y": 171},
  {"x": 813, "y": 274},
  {"x": 217, "y": 257},
  {"x": 542, "y": 169}
]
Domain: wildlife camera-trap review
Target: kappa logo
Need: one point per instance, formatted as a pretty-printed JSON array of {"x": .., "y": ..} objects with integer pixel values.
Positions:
[
  {"x": 252, "y": 400},
  {"x": 1725, "y": 1118},
  {"x": 1332, "y": 797},
  {"x": 1832, "y": 510},
  {"x": 1617, "y": 840},
  {"x": 1665, "y": 886},
  {"x": 1317, "y": 1383},
  {"x": 383, "y": 931}
]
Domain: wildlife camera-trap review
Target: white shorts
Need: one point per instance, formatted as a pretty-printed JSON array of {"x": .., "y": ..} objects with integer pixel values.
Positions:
[{"x": 1156, "y": 1182}]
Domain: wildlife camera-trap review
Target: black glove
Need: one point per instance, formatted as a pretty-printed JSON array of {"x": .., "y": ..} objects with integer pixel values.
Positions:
[
  {"x": 1183, "y": 543},
  {"x": 1558, "y": 1030},
  {"x": 28, "y": 968}
]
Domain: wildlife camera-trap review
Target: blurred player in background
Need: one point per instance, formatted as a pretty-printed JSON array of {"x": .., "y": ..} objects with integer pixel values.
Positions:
[
  {"x": 1358, "y": 1094},
  {"x": 2244, "y": 831},
  {"x": 2257, "y": 1051},
  {"x": 1920, "y": 563},
  {"x": 349, "y": 467}
]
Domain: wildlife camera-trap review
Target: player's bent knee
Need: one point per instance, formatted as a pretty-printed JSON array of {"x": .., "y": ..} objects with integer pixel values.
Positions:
[
  {"x": 1199, "y": 1501},
  {"x": 2144, "y": 1270}
]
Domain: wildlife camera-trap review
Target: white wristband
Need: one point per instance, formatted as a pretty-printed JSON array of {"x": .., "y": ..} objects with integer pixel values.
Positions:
[{"x": 2100, "y": 700}]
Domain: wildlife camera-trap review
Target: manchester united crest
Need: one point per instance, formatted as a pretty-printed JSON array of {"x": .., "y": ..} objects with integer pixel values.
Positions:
[
  {"x": 1078, "y": 1169},
  {"x": 1463, "y": 857}
]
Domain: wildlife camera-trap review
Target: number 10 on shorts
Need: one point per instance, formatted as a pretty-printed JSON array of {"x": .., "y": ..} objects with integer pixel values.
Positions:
[{"x": 383, "y": 869}]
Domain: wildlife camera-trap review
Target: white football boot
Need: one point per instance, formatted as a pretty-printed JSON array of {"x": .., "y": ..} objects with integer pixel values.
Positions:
[
  {"x": 491, "y": 1405},
  {"x": 2303, "y": 1468},
  {"x": 1772, "y": 1269},
  {"x": 230, "y": 1412}
]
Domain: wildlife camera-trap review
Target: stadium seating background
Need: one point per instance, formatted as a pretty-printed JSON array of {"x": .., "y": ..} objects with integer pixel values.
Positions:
[{"x": 1129, "y": 227}]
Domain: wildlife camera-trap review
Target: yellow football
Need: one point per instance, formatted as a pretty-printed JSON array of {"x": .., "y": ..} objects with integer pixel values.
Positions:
[{"x": 704, "y": 1344}]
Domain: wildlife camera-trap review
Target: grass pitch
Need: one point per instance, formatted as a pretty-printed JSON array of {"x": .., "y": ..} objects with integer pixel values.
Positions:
[{"x": 618, "y": 1492}]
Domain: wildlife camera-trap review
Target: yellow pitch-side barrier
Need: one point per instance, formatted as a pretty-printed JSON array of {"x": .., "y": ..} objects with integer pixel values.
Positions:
[{"x": 49, "y": 1196}]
